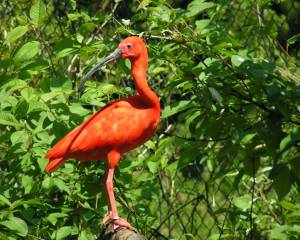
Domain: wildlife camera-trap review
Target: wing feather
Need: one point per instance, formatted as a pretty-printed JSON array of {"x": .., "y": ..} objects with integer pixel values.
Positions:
[{"x": 116, "y": 124}]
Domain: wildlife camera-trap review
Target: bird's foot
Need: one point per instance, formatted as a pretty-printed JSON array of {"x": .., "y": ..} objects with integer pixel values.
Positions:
[
  {"x": 116, "y": 222},
  {"x": 107, "y": 218},
  {"x": 120, "y": 222}
]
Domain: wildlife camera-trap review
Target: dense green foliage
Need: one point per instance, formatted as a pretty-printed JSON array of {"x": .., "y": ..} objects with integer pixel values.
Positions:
[{"x": 225, "y": 161}]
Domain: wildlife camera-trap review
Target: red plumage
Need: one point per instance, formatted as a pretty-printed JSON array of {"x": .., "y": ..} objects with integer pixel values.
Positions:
[
  {"x": 123, "y": 125},
  {"x": 115, "y": 129}
]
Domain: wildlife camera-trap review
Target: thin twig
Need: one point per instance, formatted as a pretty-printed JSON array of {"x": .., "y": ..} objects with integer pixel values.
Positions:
[
  {"x": 270, "y": 207},
  {"x": 252, "y": 226}
]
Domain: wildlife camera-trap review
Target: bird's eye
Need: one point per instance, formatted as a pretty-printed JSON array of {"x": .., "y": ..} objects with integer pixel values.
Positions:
[{"x": 129, "y": 46}]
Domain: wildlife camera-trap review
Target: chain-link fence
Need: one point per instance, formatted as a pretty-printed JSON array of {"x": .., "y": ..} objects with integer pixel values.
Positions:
[{"x": 199, "y": 201}]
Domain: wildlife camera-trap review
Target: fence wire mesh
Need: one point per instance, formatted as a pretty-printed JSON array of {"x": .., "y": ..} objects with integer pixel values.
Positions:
[{"x": 199, "y": 201}]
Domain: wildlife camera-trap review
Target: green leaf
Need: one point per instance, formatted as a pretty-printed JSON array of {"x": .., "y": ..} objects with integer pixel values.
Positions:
[
  {"x": 247, "y": 138},
  {"x": 15, "y": 84},
  {"x": 28, "y": 93},
  {"x": 108, "y": 89},
  {"x": 198, "y": 6},
  {"x": 21, "y": 139},
  {"x": 213, "y": 38},
  {"x": 292, "y": 216},
  {"x": 153, "y": 166},
  {"x": 86, "y": 235},
  {"x": 295, "y": 228},
  {"x": 144, "y": 3},
  {"x": 8, "y": 119},
  {"x": 176, "y": 108},
  {"x": 21, "y": 202},
  {"x": 15, "y": 34},
  {"x": 27, "y": 51},
  {"x": 35, "y": 66},
  {"x": 215, "y": 236},
  {"x": 21, "y": 108},
  {"x": 36, "y": 106},
  {"x": 4, "y": 200},
  {"x": 161, "y": 13},
  {"x": 61, "y": 185},
  {"x": 237, "y": 60},
  {"x": 86, "y": 28},
  {"x": 79, "y": 110},
  {"x": 216, "y": 95},
  {"x": 74, "y": 16},
  {"x": 65, "y": 232},
  {"x": 53, "y": 94},
  {"x": 53, "y": 217},
  {"x": 201, "y": 25},
  {"x": 293, "y": 39},
  {"x": 66, "y": 52},
  {"x": 38, "y": 13},
  {"x": 16, "y": 225},
  {"x": 48, "y": 181},
  {"x": 279, "y": 232},
  {"x": 289, "y": 206},
  {"x": 290, "y": 139},
  {"x": 171, "y": 169},
  {"x": 187, "y": 156},
  {"x": 243, "y": 202},
  {"x": 281, "y": 180},
  {"x": 27, "y": 182}
]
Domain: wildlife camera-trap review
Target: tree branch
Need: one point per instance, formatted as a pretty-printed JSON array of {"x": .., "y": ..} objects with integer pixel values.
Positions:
[{"x": 120, "y": 234}]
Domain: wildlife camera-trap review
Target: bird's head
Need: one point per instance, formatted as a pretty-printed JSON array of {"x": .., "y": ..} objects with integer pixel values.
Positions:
[{"x": 131, "y": 48}]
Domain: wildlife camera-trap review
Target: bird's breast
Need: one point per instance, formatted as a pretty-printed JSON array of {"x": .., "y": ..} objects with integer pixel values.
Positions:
[{"x": 139, "y": 130}]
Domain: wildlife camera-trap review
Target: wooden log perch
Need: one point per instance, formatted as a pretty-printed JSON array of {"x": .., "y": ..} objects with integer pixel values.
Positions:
[{"x": 121, "y": 234}]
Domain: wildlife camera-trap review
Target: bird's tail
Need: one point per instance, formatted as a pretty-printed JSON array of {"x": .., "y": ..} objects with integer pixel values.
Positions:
[{"x": 54, "y": 164}]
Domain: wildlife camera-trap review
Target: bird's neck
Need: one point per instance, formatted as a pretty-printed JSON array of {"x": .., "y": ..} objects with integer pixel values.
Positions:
[{"x": 139, "y": 75}]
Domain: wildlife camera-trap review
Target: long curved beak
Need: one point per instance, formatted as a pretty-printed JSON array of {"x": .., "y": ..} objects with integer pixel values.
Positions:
[{"x": 112, "y": 57}]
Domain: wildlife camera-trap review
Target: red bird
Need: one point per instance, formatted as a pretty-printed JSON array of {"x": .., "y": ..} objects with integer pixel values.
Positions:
[{"x": 116, "y": 128}]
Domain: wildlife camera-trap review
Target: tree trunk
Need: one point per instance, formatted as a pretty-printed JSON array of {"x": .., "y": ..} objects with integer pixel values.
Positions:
[{"x": 121, "y": 234}]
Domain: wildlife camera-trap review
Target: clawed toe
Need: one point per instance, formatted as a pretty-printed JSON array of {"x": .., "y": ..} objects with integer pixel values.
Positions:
[
  {"x": 121, "y": 223},
  {"x": 116, "y": 222},
  {"x": 107, "y": 218}
]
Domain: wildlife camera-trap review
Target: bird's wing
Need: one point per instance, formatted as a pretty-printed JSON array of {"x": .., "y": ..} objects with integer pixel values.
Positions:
[
  {"x": 117, "y": 124},
  {"x": 115, "y": 127},
  {"x": 62, "y": 147}
]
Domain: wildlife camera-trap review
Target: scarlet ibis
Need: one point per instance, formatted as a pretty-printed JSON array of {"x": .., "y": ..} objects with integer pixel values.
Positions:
[{"x": 116, "y": 128}]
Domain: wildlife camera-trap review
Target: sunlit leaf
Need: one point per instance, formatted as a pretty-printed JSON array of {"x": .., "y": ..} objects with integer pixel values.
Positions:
[
  {"x": 53, "y": 217},
  {"x": 4, "y": 200},
  {"x": 247, "y": 138},
  {"x": 16, "y": 225},
  {"x": 293, "y": 39},
  {"x": 38, "y": 13},
  {"x": 198, "y": 6},
  {"x": 201, "y": 25},
  {"x": 216, "y": 95},
  {"x": 176, "y": 108},
  {"x": 27, "y": 51},
  {"x": 237, "y": 60},
  {"x": 64, "y": 232},
  {"x": 16, "y": 33},
  {"x": 243, "y": 202},
  {"x": 8, "y": 119}
]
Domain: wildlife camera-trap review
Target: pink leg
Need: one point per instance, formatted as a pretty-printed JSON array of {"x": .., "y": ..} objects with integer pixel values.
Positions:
[
  {"x": 109, "y": 215},
  {"x": 113, "y": 158}
]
